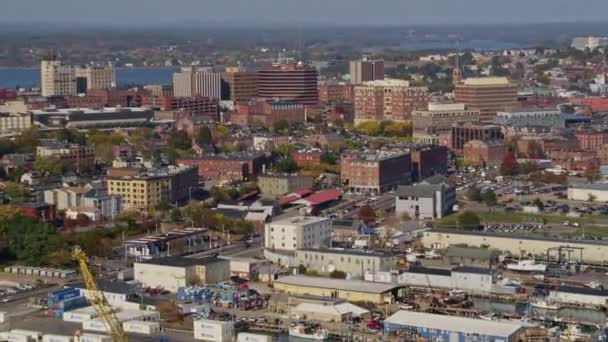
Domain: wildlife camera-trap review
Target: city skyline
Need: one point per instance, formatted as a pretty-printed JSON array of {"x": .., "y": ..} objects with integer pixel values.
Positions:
[{"x": 268, "y": 12}]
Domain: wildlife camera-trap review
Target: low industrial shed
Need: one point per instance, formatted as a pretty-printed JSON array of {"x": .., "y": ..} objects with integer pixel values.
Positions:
[
  {"x": 328, "y": 312},
  {"x": 579, "y": 296},
  {"x": 351, "y": 290},
  {"x": 432, "y": 327}
]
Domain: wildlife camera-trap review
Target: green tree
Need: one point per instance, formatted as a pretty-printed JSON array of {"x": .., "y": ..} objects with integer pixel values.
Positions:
[
  {"x": 176, "y": 215},
  {"x": 27, "y": 140},
  {"x": 281, "y": 126},
  {"x": 180, "y": 140},
  {"x": 539, "y": 204},
  {"x": 32, "y": 241},
  {"x": 329, "y": 157},
  {"x": 284, "y": 150},
  {"x": 469, "y": 220},
  {"x": 489, "y": 197},
  {"x": 17, "y": 193},
  {"x": 474, "y": 194},
  {"x": 591, "y": 198},
  {"x": 204, "y": 137},
  {"x": 48, "y": 166},
  {"x": 285, "y": 165},
  {"x": 218, "y": 193}
]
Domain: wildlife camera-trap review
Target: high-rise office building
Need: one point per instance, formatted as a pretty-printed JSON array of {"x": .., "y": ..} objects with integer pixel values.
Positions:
[
  {"x": 366, "y": 70},
  {"x": 94, "y": 77},
  {"x": 489, "y": 95},
  {"x": 388, "y": 100},
  {"x": 289, "y": 82},
  {"x": 194, "y": 81},
  {"x": 242, "y": 84},
  {"x": 57, "y": 79}
]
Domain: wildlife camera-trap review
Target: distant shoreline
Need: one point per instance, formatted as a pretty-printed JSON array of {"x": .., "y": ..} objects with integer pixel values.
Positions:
[{"x": 119, "y": 68}]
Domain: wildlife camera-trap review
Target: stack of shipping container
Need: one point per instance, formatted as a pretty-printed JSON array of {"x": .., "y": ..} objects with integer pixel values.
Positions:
[{"x": 63, "y": 300}]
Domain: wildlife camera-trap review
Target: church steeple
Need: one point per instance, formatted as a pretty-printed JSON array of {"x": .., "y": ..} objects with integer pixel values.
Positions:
[{"x": 457, "y": 73}]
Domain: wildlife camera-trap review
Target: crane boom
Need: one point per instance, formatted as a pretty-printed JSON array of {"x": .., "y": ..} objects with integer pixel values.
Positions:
[{"x": 99, "y": 301}]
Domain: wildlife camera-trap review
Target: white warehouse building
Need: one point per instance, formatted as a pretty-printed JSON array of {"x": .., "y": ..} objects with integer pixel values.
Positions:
[{"x": 582, "y": 192}]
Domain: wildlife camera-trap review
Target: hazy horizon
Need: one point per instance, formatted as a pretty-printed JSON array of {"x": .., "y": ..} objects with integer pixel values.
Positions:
[{"x": 325, "y": 12}]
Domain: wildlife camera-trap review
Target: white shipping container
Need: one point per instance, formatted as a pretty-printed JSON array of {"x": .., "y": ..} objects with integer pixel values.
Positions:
[
  {"x": 249, "y": 337},
  {"x": 16, "y": 337},
  {"x": 36, "y": 335},
  {"x": 141, "y": 327},
  {"x": 80, "y": 315},
  {"x": 3, "y": 317},
  {"x": 57, "y": 338},
  {"x": 95, "y": 325},
  {"x": 213, "y": 331},
  {"x": 95, "y": 338}
]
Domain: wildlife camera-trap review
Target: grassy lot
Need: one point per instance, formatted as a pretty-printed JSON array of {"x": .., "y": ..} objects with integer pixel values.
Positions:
[{"x": 594, "y": 225}]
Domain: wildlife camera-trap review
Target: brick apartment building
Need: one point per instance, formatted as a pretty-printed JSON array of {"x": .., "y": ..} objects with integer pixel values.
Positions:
[
  {"x": 74, "y": 157},
  {"x": 591, "y": 140},
  {"x": 330, "y": 92},
  {"x": 7, "y": 95},
  {"x": 546, "y": 144},
  {"x": 306, "y": 158},
  {"x": 267, "y": 112},
  {"x": 375, "y": 173},
  {"x": 388, "y": 100},
  {"x": 229, "y": 167},
  {"x": 428, "y": 161},
  {"x": 196, "y": 106},
  {"x": 484, "y": 153},
  {"x": 106, "y": 98},
  {"x": 39, "y": 211}
]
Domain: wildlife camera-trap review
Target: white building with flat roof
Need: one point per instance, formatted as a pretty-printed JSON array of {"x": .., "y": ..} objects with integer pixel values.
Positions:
[
  {"x": 584, "y": 192},
  {"x": 433, "y": 327},
  {"x": 297, "y": 233}
]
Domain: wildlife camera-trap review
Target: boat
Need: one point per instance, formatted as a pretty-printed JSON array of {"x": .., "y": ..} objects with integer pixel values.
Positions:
[
  {"x": 304, "y": 331},
  {"x": 527, "y": 266},
  {"x": 510, "y": 282},
  {"x": 573, "y": 333},
  {"x": 455, "y": 297},
  {"x": 545, "y": 305},
  {"x": 593, "y": 285},
  {"x": 487, "y": 316},
  {"x": 406, "y": 306}
]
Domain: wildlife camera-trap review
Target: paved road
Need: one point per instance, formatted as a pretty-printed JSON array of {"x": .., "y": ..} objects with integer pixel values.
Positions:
[
  {"x": 18, "y": 306},
  {"x": 237, "y": 248}
]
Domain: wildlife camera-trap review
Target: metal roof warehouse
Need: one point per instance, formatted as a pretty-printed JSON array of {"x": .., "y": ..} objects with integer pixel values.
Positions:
[{"x": 452, "y": 328}]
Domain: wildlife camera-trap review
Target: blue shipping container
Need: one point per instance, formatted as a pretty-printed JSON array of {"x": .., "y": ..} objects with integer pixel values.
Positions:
[
  {"x": 57, "y": 297},
  {"x": 72, "y": 303}
]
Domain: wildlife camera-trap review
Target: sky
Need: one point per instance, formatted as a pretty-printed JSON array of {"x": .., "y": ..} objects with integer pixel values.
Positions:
[{"x": 342, "y": 12}]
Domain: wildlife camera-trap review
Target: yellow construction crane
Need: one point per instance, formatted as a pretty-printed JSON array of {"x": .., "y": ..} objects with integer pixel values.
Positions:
[{"x": 99, "y": 301}]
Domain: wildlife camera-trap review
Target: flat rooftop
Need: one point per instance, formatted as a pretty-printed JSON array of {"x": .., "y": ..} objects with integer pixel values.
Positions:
[
  {"x": 518, "y": 237},
  {"x": 454, "y": 324},
  {"x": 345, "y": 252},
  {"x": 178, "y": 261},
  {"x": 486, "y": 81},
  {"x": 300, "y": 220},
  {"x": 51, "y": 111},
  {"x": 337, "y": 284}
]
